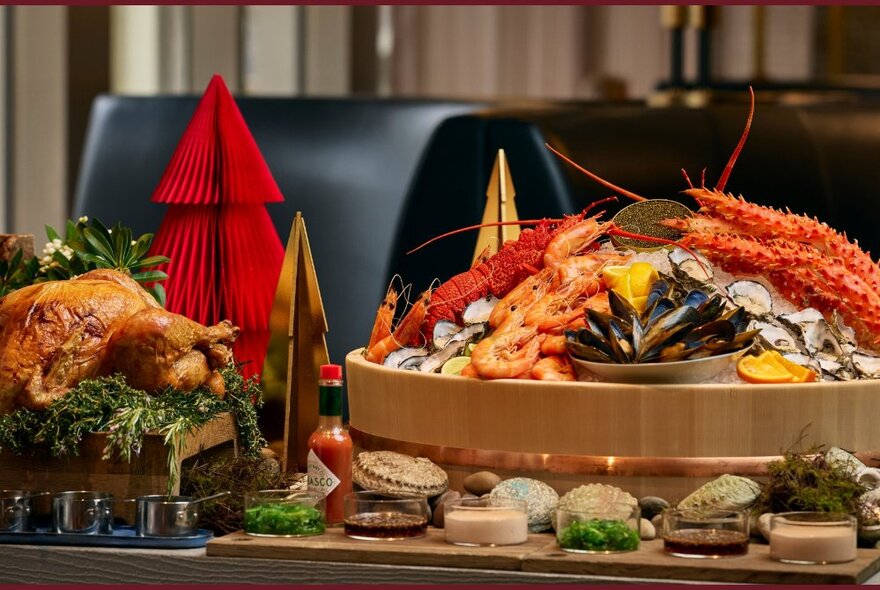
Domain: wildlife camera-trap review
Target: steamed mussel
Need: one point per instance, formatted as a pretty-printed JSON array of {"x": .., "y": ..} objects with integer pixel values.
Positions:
[{"x": 675, "y": 325}]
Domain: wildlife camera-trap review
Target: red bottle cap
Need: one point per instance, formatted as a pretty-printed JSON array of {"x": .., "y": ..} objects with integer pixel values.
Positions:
[{"x": 331, "y": 372}]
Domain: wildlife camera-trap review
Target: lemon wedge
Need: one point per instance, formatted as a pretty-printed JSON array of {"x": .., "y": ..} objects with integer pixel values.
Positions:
[
  {"x": 641, "y": 276},
  {"x": 454, "y": 365},
  {"x": 613, "y": 274}
]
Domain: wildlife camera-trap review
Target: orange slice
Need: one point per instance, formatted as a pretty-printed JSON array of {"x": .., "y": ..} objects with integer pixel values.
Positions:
[{"x": 772, "y": 367}]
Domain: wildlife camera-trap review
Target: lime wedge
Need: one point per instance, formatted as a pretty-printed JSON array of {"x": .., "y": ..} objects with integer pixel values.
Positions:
[{"x": 454, "y": 365}]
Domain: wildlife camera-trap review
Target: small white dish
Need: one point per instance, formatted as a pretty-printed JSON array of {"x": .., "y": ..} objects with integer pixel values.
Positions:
[{"x": 688, "y": 371}]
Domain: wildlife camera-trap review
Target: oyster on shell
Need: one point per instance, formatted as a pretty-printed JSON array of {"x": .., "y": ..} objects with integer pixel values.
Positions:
[
  {"x": 728, "y": 492},
  {"x": 688, "y": 270},
  {"x": 479, "y": 311},
  {"x": 408, "y": 356},
  {"x": 775, "y": 337},
  {"x": 444, "y": 330},
  {"x": 453, "y": 347},
  {"x": 867, "y": 365},
  {"x": 753, "y": 296}
]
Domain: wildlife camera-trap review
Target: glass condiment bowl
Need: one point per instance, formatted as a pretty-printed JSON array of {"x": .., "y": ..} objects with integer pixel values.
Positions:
[
  {"x": 385, "y": 516},
  {"x": 486, "y": 522},
  {"x": 705, "y": 532},
  {"x": 284, "y": 513},
  {"x": 611, "y": 527},
  {"x": 813, "y": 538}
]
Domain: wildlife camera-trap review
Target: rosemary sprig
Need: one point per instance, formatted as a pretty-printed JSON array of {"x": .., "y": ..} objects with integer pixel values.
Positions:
[{"x": 108, "y": 404}]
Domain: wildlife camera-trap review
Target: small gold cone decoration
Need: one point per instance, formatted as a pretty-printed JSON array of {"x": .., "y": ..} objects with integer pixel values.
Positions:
[
  {"x": 499, "y": 207},
  {"x": 297, "y": 349}
]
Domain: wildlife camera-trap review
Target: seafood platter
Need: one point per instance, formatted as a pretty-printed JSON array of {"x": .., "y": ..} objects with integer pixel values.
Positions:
[{"x": 699, "y": 343}]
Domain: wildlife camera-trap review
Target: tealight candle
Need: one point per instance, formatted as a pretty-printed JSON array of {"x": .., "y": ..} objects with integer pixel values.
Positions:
[
  {"x": 812, "y": 537},
  {"x": 475, "y": 521}
]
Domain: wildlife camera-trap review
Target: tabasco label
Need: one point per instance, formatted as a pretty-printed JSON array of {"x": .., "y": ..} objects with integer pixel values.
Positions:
[{"x": 321, "y": 479}]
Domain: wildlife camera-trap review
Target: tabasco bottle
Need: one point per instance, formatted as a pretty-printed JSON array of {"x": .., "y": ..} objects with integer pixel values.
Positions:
[{"x": 329, "y": 462}]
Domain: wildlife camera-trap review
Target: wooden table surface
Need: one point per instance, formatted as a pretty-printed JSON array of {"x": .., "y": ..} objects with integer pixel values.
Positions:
[{"x": 32, "y": 564}]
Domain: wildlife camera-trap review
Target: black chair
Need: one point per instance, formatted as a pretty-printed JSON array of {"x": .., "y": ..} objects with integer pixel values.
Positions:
[
  {"x": 817, "y": 160},
  {"x": 346, "y": 164}
]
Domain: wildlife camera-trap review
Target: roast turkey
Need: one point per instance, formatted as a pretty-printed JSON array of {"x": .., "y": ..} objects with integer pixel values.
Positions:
[{"x": 55, "y": 334}]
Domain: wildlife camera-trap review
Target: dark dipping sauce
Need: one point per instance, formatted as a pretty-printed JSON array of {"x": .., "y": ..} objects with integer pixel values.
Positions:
[
  {"x": 385, "y": 525},
  {"x": 706, "y": 543}
]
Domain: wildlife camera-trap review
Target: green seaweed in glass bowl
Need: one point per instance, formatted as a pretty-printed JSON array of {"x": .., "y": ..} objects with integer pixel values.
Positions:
[
  {"x": 609, "y": 529},
  {"x": 282, "y": 513}
]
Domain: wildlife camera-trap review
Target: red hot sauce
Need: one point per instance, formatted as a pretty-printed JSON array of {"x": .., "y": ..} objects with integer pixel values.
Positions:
[{"x": 330, "y": 448}]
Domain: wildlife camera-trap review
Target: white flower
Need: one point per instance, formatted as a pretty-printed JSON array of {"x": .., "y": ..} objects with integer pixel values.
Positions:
[{"x": 84, "y": 219}]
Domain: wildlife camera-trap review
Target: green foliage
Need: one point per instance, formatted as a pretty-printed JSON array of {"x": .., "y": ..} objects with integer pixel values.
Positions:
[
  {"x": 108, "y": 404},
  {"x": 17, "y": 273},
  {"x": 806, "y": 481},
  {"x": 599, "y": 535},
  {"x": 283, "y": 519},
  {"x": 89, "y": 245}
]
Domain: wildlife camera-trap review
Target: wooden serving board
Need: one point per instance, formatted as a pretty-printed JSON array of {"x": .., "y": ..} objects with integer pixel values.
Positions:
[
  {"x": 649, "y": 561},
  {"x": 540, "y": 554},
  {"x": 431, "y": 550}
]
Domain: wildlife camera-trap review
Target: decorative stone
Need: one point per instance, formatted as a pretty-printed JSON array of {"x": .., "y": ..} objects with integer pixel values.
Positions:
[
  {"x": 728, "y": 492},
  {"x": 540, "y": 499},
  {"x": 387, "y": 471},
  {"x": 764, "y": 525},
  {"x": 651, "y": 506},
  {"x": 591, "y": 496},
  {"x": 447, "y": 495},
  {"x": 844, "y": 460},
  {"x": 657, "y": 521},
  {"x": 439, "y": 517},
  {"x": 481, "y": 482},
  {"x": 647, "y": 531}
]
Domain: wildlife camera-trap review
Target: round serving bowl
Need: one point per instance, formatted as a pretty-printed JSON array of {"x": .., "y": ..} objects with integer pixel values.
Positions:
[
  {"x": 688, "y": 371},
  {"x": 652, "y": 439}
]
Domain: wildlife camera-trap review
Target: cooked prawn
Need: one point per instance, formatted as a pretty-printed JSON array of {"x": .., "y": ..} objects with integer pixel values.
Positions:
[
  {"x": 554, "y": 368},
  {"x": 406, "y": 333},
  {"x": 508, "y": 353},
  {"x": 384, "y": 317}
]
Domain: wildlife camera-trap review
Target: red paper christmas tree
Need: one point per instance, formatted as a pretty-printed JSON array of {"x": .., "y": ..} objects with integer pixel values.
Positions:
[{"x": 225, "y": 253}]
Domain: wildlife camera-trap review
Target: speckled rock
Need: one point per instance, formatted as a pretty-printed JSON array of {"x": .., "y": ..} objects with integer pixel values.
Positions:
[
  {"x": 728, "y": 492},
  {"x": 651, "y": 506},
  {"x": 764, "y": 525},
  {"x": 439, "y": 517},
  {"x": 647, "y": 531},
  {"x": 593, "y": 496},
  {"x": 540, "y": 499},
  {"x": 481, "y": 482}
]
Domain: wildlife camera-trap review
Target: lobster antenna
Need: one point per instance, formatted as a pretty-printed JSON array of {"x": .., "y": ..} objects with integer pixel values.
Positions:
[
  {"x": 602, "y": 181},
  {"x": 477, "y": 226},
  {"x": 687, "y": 178},
  {"x": 515, "y": 222},
  {"x": 722, "y": 182}
]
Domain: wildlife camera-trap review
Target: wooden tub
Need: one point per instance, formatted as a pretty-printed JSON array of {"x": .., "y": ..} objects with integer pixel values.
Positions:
[{"x": 663, "y": 440}]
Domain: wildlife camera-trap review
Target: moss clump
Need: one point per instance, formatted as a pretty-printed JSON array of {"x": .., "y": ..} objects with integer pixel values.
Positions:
[
  {"x": 239, "y": 476},
  {"x": 806, "y": 481}
]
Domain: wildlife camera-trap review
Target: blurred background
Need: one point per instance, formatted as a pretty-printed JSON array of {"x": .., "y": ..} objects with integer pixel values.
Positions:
[{"x": 55, "y": 60}]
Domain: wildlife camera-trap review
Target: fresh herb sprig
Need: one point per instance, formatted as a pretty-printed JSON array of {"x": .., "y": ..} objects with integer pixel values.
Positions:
[
  {"x": 17, "y": 273},
  {"x": 108, "y": 404},
  {"x": 89, "y": 245}
]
